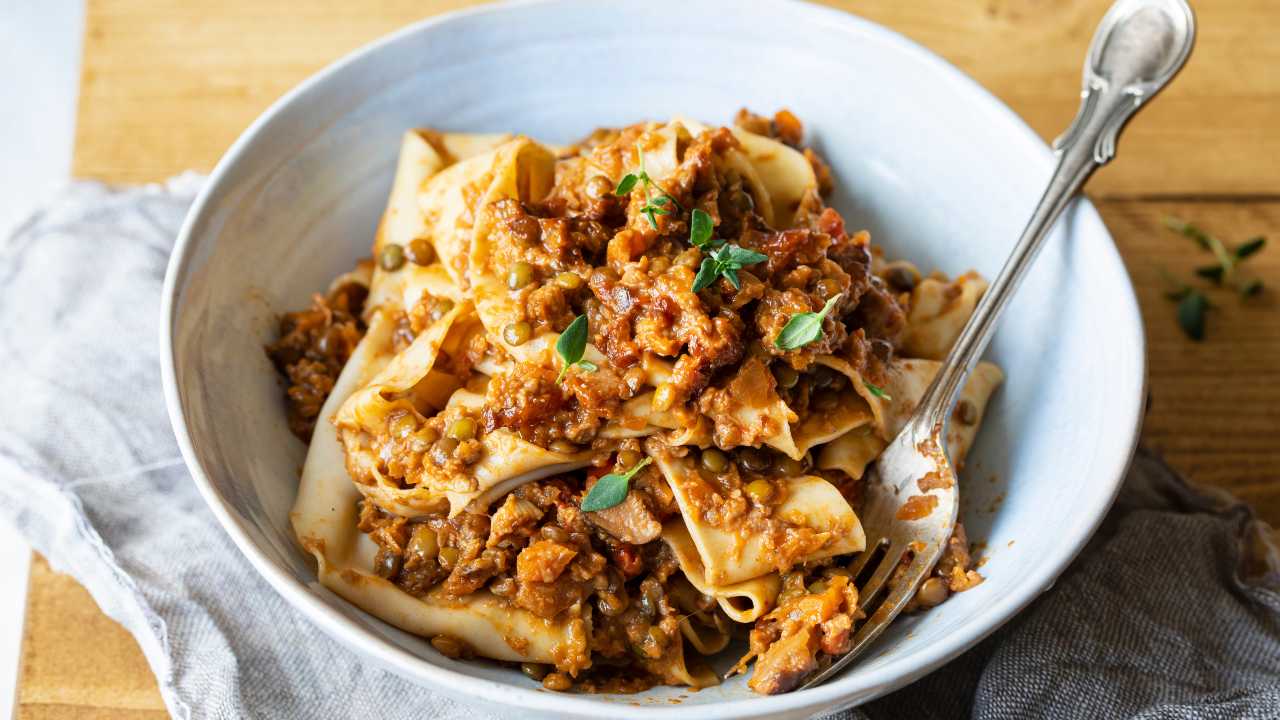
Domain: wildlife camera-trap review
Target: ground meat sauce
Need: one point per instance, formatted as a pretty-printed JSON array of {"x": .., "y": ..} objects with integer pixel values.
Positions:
[
  {"x": 314, "y": 344},
  {"x": 584, "y": 250}
]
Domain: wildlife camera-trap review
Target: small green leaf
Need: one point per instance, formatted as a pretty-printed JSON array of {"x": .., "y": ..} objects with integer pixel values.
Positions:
[
  {"x": 804, "y": 328},
  {"x": 572, "y": 344},
  {"x": 700, "y": 229},
  {"x": 661, "y": 200},
  {"x": 878, "y": 392},
  {"x": 743, "y": 257},
  {"x": 707, "y": 274},
  {"x": 1210, "y": 272},
  {"x": 1191, "y": 312},
  {"x": 626, "y": 184},
  {"x": 611, "y": 489},
  {"x": 587, "y": 365},
  {"x": 648, "y": 212},
  {"x": 1250, "y": 247},
  {"x": 726, "y": 260}
]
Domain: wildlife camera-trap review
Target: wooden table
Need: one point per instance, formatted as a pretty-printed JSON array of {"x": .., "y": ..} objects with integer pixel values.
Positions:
[{"x": 168, "y": 86}]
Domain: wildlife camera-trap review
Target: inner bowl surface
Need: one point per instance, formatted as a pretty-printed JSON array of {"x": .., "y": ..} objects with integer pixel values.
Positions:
[{"x": 939, "y": 171}]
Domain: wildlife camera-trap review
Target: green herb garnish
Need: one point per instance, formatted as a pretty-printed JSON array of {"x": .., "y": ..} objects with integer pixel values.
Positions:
[
  {"x": 571, "y": 345},
  {"x": 1192, "y": 303},
  {"x": 1191, "y": 310},
  {"x": 654, "y": 205},
  {"x": 701, "y": 230},
  {"x": 804, "y": 328},
  {"x": 1224, "y": 271},
  {"x": 725, "y": 261},
  {"x": 611, "y": 489},
  {"x": 878, "y": 392}
]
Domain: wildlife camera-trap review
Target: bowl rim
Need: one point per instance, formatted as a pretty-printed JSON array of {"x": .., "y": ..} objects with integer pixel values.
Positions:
[{"x": 832, "y": 695}]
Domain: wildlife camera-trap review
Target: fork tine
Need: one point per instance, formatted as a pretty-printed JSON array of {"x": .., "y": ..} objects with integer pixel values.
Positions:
[
  {"x": 861, "y": 559},
  {"x": 893, "y": 602},
  {"x": 876, "y": 622},
  {"x": 871, "y": 589}
]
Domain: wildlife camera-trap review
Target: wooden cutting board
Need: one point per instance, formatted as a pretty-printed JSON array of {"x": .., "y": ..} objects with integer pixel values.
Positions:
[{"x": 168, "y": 86}]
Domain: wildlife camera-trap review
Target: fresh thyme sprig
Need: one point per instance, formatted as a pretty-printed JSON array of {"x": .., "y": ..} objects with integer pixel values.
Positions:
[
  {"x": 1223, "y": 272},
  {"x": 723, "y": 260},
  {"x": 654, "y": 205},
  {"x": 1193, "y": 305}
]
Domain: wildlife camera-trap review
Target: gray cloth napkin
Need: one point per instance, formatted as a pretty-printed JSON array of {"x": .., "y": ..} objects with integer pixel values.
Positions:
[{"x": 1173, "y": 610}]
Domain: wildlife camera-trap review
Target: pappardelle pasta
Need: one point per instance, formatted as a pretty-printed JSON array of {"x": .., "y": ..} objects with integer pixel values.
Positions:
[{"x": 602, "y": 410}]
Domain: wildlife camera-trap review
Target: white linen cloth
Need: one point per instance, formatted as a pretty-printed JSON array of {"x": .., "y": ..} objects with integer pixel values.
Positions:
[{"x": 1173, "y": 610}]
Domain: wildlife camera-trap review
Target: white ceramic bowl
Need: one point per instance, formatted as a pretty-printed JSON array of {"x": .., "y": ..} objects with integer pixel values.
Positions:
[{"x": 936, "y": 168}]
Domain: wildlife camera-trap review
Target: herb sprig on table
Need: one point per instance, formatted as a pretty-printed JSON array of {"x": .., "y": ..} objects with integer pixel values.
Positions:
[{"x": 1224, "y": 272}]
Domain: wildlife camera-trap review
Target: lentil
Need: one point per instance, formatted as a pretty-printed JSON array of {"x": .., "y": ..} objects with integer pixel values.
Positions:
[
  {"x": 760, "y": 491},
  {"x": 786, "y": 375},
  {"x": 790, "y": 467},
  {"x": 520, "y": 275},
  {"x": 525, "y": 229},
  {"x": 932, "y": 592},
  {"x": 391, "y": 257},
  {"x": 517, "y": 333},
  {"x": 714, "y": 460},
  {"x": 534, "y": 671},
  {"x": 755, "y": 460},
  {"x": 558, "y": 682},
  {"x": 447, "y": 646},
  {"x": 420, "y": 252},
  {"x": 464, "y": 428},
  {"x": 569, "y": 280},
  {"x": 628, "y": 459}
]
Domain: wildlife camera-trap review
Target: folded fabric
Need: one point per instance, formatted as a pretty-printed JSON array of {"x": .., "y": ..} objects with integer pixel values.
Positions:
[{"x": 1172, "y": 611}]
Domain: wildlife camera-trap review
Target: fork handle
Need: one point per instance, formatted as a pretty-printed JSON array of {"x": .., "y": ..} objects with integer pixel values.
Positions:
[{"x": 1138, "y": 48}]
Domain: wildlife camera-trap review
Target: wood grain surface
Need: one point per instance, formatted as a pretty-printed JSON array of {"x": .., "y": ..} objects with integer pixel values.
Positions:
[{"x": 169, "y": 85}]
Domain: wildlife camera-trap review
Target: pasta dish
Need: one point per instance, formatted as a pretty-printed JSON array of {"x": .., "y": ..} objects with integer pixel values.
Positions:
[{"x": 605, "y": 410}]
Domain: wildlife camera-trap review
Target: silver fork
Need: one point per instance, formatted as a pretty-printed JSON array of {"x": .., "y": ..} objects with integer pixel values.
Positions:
[{"x": 1138, "y": 48}]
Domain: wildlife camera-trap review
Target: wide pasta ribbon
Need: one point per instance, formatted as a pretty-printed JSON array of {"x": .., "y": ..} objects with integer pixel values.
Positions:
[
  {"x": 907, "y": 380},
  {"x": 324, "y": 519},
  {"x": 810, "y": 504},
  {"x": 938, "y": 312}
]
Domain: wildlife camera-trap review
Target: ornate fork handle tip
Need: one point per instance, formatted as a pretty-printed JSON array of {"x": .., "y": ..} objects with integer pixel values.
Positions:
[{"x": 1138, "y": 48}]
